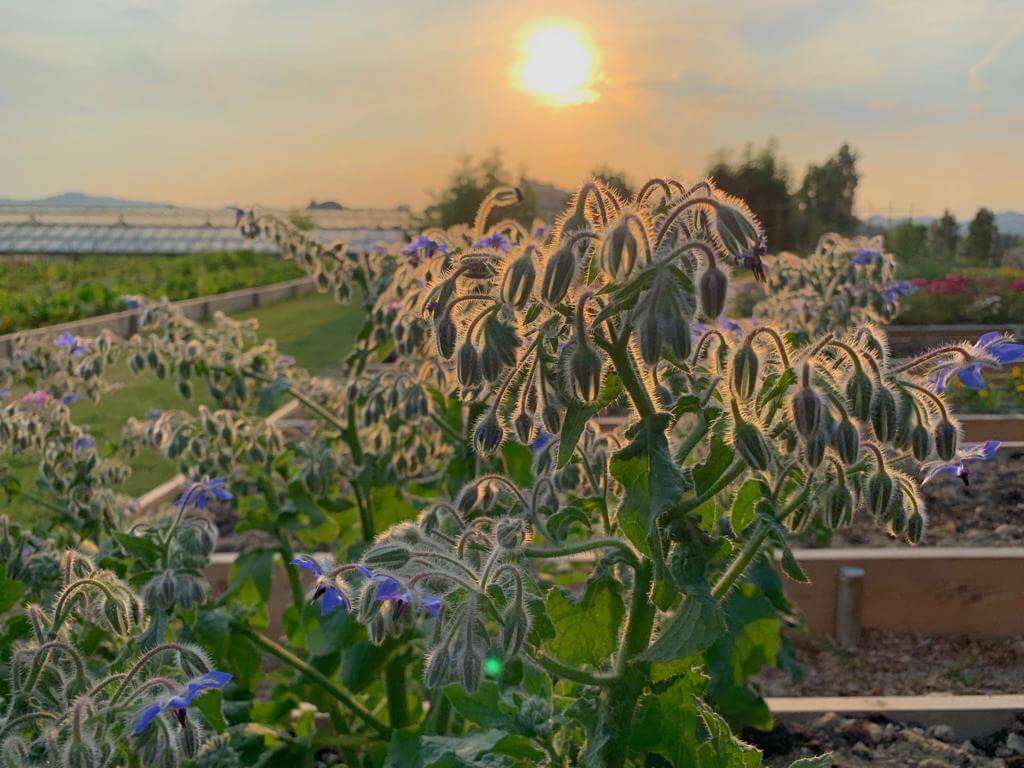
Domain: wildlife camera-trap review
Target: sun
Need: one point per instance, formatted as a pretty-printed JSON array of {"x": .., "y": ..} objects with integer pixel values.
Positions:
[{"x": 557, "y": 64}]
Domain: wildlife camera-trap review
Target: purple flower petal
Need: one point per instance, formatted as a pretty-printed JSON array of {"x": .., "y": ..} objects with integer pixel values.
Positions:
[
  {"x": 307, "y": 563},
  {"x": 1007, "y": 352},
  {"x": 145, "y": 717},
  {"x": 431, "y": 604},
  {"x": 971, "y": 377},
  {"x": 332, "y": 599}
]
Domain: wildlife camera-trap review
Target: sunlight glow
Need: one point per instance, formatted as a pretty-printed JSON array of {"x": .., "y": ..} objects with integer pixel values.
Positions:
[{"x": 557, "y": 64}]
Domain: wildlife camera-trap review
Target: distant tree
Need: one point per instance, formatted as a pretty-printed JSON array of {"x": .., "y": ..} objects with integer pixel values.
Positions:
[
  {"x": 825, "y": 199},
  {"x": 616, "y": 180},
  {"x": 761, "y": 178},
  {"x": 302, "y": 221},
  {"x": 469, "y": 185},
  {"x": 944, "y": 236},
  {"x": 907, "y": 240},
  {"x": 981, "y": 243}
]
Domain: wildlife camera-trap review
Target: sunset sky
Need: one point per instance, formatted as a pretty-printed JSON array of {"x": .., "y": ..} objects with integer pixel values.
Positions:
[{"x": 208, "y": 102}]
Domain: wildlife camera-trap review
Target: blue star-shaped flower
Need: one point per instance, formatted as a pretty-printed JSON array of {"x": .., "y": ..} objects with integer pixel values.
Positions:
[
  {"x": 178, "y": 703},
  {"x": 82, "y": 443},
  {"x": 994, "y": 345},
  {"x": 495, "y": 240},
  {"x": 326, "y": 592},
  {"x": 958, "y": 468},
  {"x": 72, "y": 343},
  {"x": 200, "y": 492}
]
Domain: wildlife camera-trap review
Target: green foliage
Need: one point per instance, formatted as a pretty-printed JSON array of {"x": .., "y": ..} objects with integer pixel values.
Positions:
[
  {"x": 470, "y": 183},
  {"x": 825, "y": 198},
  {"x": 44, "y": 292},
  {"x": 981, "y": 246}
]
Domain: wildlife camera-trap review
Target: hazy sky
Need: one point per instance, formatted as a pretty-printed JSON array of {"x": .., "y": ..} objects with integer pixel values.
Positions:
[{"x": 371, "y": 103}]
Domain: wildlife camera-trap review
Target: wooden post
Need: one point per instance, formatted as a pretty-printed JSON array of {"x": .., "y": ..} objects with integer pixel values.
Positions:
[{"x": 849, "y": 600}]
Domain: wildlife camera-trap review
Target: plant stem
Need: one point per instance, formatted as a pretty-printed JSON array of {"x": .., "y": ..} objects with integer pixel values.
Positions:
[
  {"x": 394, "y": 682},
  {"x": 622, "y": 360},
  {"x": 587, "y": 545},
  {"x": 282, "y": 653},
  {"x": 739, "y": 566}
]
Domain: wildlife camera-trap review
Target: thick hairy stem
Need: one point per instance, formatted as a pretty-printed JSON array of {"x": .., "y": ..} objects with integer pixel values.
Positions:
[
  {"x": 622, "y": 360},
  {"x": 587, "y": 545},
  {"x": 317, "y": 677},
  {"x": 739, "y": 566},
  {"x": 569, "y": 672},
  {"x": 620, "y": 701}
]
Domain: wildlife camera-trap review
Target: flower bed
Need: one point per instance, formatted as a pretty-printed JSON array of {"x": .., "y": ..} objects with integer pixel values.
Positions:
[
  {"x": 43, "y": 292},
  {"x": 990, "y": 296}
]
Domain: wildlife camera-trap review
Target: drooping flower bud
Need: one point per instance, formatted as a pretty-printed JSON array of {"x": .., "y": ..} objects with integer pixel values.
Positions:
[
  {"x": 468, "y": 365},
  {"x": 838, "y": 506},
  {"x": 552, "y": 418},
  {"x": 814, "y": 449},
  {"x": 436, "y": 667},
  {"x": 921, "y": 442},
  {"x": 387, "y": 555},
  {"x": 915, "y": 528},
  {"x": 745, "y": 364},
  {"x": 713, "y": 288},
  {"x": 749, "y": 442},
  {"x": 470, "y": 667},
  {"x": 468, "y": 497},
  {"x": 618, "y": 252},
  {"x": 946, "y": 439},
  {"x": 517, "y": 284},
  {"x": 510, "y": 533},
  {"x": 445, "y": 335},
  {"x": 847, "y": 441},
  {"x": 515, "y": 627},
  {"x": 859, "y": 392},
  {"x": 648, "y": 334},
  {"x": 806, "y": 407},
  {"x": 558, "y": 274},
  {"x": 879, "y": 493},
  {"x": 488, "y": 434},
  {"x": 883, "y": 414},
  {"x": 524, "y": 426},
  {"x": 586, "y": 368}
]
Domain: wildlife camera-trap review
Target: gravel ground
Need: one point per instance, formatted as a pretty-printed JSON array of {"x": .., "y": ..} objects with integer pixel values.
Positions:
[
  {"x": 988, "y": 512},
  {"x": 876, "y": 742},
  {"x": 902, "y": 664}
]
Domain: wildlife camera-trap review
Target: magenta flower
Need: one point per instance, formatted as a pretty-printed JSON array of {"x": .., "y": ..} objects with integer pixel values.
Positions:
[{"x": 36, "y": 399}]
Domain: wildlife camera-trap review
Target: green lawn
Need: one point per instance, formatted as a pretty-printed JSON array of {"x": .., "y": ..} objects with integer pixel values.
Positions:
[{"x": 314, "y": 329}]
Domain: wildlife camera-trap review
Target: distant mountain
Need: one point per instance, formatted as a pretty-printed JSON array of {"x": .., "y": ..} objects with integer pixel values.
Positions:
[
  {"x": 1008, "y": 222},
  {"x": 82, "y": 200}
]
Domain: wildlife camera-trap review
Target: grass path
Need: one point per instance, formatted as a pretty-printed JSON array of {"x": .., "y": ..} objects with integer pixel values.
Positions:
[{"x": 314, "y": 329}]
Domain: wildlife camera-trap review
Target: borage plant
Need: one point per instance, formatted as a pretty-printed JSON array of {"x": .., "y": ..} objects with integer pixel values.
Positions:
[
  {"x": 730, "y": 445},
  {"x": 843, "y": 284}
]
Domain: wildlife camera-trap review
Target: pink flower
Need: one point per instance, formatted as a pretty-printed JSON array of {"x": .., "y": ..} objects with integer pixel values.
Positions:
[
  {"x": 1018, "y": 285},
  {"x": 36, "y": 399}
]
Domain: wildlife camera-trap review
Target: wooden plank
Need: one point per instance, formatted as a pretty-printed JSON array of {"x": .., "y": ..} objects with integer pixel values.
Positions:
[{"x": 936, "y": 590}]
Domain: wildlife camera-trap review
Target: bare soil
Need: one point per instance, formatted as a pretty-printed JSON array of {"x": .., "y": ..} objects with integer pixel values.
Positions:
[
  {"x": 902, "y": 664},
  {"x": 879, "y": 743}
]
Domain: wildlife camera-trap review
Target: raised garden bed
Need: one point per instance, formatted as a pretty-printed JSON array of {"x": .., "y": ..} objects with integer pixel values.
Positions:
[{"x": 892, "y": 738}]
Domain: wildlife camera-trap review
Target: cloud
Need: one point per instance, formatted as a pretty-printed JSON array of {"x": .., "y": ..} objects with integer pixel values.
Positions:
[{"x": 975, "y": 77}]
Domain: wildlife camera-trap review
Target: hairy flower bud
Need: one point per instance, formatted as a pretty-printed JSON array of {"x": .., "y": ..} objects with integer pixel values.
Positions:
[
  {"x": 515, "y": 628},
  {"x": 745, "y": 364},
  {"x": 558, "y": 274},
  {"x": 524, "y": 427},
  {"x": 649, "y": 336},
  {"x": 883, "y": 414},
  {"x": 838, "y": 506},
  {"x": 586, "y": 367},
  {"x": 510, "y": 533},
  {"x": 551, "y": 415},
  {"x": 915, "y": 528},
  {"x": 814, "y": 449},
  {"x": 946, "y": 438},
  {"x": 859, "y": 392},
  {"x": 445, "y": 335},
  {"x": 879, "y": 493},
  {"x": 436, "y": 667},
  {"x": 846, "y": 441},
  {"x": 488, "y": 434},
  {"x": 618, "y": 252},
  {"x": 749, "y": 442},
  {"x": 921, "y": 442},
  {"x": 517, "y": 284},
  {"x": 713, "y": 288},
  {"x": 806, "y": 407},
  {"x": 470, "y": 668},
  {"x": 468, "y": 366},
  {"x": 387, "y": 555}
]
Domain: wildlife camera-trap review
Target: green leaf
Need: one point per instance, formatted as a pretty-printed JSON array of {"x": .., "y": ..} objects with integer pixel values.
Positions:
[
  {"x": 819, "y": 761},
  {"x": 410, "y": 749},
  {"x": 482, "y": 707},
  {"x": 587, "y": 629},
  {"x": 720, "y": 456},
  {"x": 10, "y": 591},
  {"x": 140, "y": 547},
  {"x": 518, "y": 462},
  {"x": 651, "y": 481},
  {"x": 694, "y": 626},
  {"x": 250, "y": 577},
  {"x": 722, "y": 749},
  {"x": 742, "y": 513},
  {"x": 792, "y": 568},
  {"x": 666, "y": 723},
  {"x": 774, "y": 386},
  {"x": 210, "y": 705},
  {"x": 560, "y": 522},
  {"x": 578, "y": 414}
]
